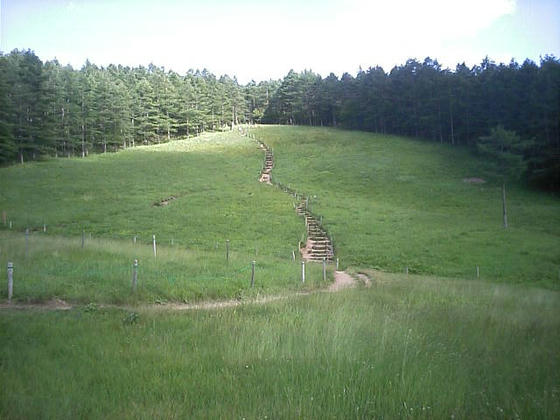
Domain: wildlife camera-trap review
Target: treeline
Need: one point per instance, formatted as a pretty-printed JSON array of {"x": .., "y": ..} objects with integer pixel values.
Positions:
[
  {"x": 48, "y": 109},
  {"x": 426, "y": 101},
  {"x": 507, "y": 111}
]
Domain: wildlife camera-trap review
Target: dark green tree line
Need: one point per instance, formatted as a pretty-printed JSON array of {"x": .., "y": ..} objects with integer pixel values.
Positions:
[
  {"x": 421, "y": 99},
  {"x": 48, "y": 109}
]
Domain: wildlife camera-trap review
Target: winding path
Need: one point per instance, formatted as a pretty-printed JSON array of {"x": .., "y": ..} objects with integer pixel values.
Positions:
[
  {"x": 318, "y": 246},
  {"x": 342, "y": 280}
]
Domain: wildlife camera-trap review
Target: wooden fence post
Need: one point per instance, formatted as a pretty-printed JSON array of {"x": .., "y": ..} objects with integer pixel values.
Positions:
[
  {"x": 227, "y": 250},
  {"x": 324, "y": 269},
  {"x": 154, "y": 245},
  {"x": 303, "y": 271},
  {"x": 337, "y": 264},
  {"x": 252, "y": 273},
  {"x": 10, "y": 280},
  {"x": 134, "y": 275},
  {"x": 477, "y": 272}
]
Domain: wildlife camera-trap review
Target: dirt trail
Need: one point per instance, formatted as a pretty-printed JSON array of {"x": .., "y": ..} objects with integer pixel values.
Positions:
[
  {"x": 51, "y": 305},
  {"x": 342, "y": 281}
]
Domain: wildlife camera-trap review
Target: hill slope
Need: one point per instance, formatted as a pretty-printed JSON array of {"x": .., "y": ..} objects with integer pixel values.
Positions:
[{"x": 392, "y": 202}]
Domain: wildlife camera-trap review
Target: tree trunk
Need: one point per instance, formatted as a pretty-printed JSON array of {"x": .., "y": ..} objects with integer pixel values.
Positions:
[
  {"x": 451, "y": 123},
  {"x": 83, "y": 141},
  {"x": 504, "y": 205}
]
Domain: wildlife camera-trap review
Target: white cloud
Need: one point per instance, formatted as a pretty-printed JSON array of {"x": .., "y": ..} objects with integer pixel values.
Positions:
[
  {"x": 392, "y": 31},
  {"x": 358, "y": 33}
]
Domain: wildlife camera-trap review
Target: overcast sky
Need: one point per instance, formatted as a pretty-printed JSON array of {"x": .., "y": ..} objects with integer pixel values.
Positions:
[{"x": 262, "y": 39}]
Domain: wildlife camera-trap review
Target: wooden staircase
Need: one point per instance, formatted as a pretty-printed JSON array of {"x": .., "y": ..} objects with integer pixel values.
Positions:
[
  {"x": 268, "y": 163},
  {"x": 318, "y": 246}
]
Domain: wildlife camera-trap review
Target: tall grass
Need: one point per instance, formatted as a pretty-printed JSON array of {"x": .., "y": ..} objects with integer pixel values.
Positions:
[
  {"x": 409, "y": 347},
  {"x": 392, "y": 202},
  {"x": 102, "y": 271}
]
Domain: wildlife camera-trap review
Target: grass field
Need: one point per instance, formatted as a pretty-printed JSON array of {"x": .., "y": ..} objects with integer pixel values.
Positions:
[
  {"x": 392, "y": 202},
  {"x": 437, "y": 343},
  {"x": 111, "y": 197},
  {"x": 213, "y": 177},
  {"x": 57, "y": 267},
  {"x": 408, "y": 347}
]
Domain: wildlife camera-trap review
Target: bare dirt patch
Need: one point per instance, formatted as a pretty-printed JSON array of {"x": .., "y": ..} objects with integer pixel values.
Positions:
[
  {"x": 51, "y": 305},
  {"x": 342, "y": 280},
  {"x": 364, "y": 278},
  {"x": 165, "y": 201}
]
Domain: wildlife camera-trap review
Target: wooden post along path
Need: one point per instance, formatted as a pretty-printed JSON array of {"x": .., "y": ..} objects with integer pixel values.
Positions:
[
  {"x": 10, "y": 280},
  {"x": 134, "y": 275}
]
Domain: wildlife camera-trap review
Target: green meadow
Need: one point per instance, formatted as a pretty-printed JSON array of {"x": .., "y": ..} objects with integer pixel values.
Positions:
[
  {"x": 436, "y": 343},
  {"x": 113, "y": 198},
  {"x": 408, "y": 347},
  {"x": 213, "y": 179},
  {"x": 392, "y": 203}
]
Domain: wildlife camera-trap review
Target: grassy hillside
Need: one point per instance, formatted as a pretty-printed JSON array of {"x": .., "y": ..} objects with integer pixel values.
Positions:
[
  {"x": 111, "y": 197},
  {"x": 392, "y": 202},
  {"x": 413, "y": 346},
  {"x": 409, "y": 347},
  {"x": 213, "y": 178}
]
